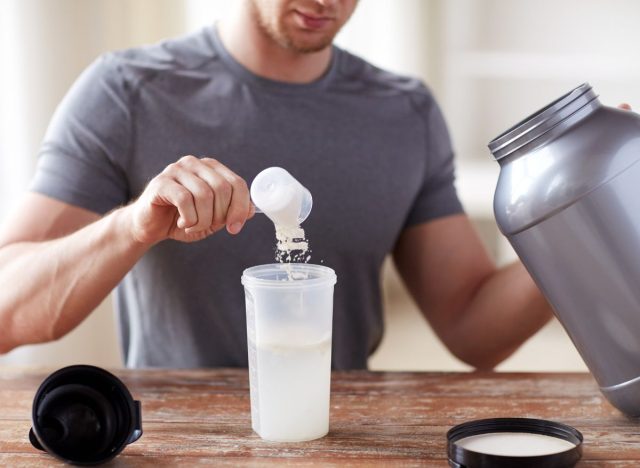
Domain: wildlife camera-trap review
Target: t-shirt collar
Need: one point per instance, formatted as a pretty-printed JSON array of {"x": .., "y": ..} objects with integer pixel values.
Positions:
[{"x": 245, "y": 74}]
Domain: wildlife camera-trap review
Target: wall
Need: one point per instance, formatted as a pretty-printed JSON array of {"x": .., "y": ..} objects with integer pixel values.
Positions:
[{"x": 46, "y": 45}]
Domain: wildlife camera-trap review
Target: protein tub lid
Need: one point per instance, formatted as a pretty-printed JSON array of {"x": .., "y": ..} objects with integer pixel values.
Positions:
[{"x": 521, "y": 442}]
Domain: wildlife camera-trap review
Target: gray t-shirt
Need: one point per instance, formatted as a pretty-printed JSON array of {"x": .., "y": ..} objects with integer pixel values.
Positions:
[{"x": 371, "y": 146}]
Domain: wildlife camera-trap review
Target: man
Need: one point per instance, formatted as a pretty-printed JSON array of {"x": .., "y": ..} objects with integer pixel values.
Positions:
[{"x": 112, "y": 197}]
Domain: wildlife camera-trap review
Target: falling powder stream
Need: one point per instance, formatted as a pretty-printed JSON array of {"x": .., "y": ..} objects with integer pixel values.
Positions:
[
  {"x": 292, "y": 247},
  {"x": 287, "y": 203}
]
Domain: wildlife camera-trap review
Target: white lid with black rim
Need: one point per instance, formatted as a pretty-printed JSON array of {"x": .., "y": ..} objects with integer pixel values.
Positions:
[{"x": 509, "y": 442}]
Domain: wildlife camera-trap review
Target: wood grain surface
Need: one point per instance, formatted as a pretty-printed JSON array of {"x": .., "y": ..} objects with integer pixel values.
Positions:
[{"x": 193, "y": 417}]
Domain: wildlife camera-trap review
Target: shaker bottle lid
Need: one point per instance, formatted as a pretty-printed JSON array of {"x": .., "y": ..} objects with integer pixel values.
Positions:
[
  {"x": 509, "y": 442},
  {"x": 84, "y": 415},
  {"x": 542, "y": 121}
]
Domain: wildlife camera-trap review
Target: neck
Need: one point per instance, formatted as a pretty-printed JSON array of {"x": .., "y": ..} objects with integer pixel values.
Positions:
[{"x": 251, "y": 46}]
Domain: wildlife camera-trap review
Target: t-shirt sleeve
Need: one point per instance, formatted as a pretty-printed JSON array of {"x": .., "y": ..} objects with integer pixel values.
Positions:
[
  {"x": 437, "y": 196},
  {"x": 83, "y": 156}
]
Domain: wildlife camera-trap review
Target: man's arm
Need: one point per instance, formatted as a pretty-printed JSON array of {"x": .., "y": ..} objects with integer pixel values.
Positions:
[
  {"x": 481, "y": 313},
  {"x": 52, "y": 277},
  {"x": 58, "y": 262}
]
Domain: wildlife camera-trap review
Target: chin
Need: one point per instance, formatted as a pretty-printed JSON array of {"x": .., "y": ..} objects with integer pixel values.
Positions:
[
  {"x": 302, "y": 41},
  {"x": 309, "y": 46}
]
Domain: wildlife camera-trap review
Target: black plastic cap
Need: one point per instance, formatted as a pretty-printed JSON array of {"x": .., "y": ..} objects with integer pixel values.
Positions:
[{"x": 84, "y": 415}]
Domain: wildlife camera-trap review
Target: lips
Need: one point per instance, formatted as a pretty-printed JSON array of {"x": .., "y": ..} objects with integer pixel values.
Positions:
[{"x": 312, "y": 22}]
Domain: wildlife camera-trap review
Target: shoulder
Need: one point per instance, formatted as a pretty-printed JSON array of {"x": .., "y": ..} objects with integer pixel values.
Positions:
[
  {"x": 181, "y": 54},
  {"x": 357, "y": 73},
  {"x": 360, "y": 77}
]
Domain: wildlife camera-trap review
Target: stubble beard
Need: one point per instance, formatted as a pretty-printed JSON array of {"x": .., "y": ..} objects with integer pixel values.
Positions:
[{"x": 285, "y": 39}]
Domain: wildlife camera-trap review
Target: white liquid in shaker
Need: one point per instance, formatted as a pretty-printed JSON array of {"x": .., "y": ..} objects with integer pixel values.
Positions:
[{"x": 293, "y": 385}]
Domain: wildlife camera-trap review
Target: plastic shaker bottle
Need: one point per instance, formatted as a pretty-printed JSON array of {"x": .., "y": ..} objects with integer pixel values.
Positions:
[{"x": 289, "y": 337}]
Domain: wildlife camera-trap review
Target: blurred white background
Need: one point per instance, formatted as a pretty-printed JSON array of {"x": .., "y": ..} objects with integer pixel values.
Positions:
[{"x": 489, "y": 62}]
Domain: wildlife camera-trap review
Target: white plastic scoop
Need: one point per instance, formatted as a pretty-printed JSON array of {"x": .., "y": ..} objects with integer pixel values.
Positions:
[{"x": 277, "y": 194}]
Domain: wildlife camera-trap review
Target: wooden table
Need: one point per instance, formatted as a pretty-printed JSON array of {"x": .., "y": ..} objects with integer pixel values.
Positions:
[{"x": 386, "y": 419}]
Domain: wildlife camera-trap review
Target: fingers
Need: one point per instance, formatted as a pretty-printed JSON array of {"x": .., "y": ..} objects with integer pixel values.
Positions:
[
  {"x": 624, "y": 106},
  {"x": 173, "y": 193},
  {"x": 216, "y": 195},
  {"x": 239, "y": 203},
  {"x": 203, "y": 199},
  {"x": 222, "y": 190}
]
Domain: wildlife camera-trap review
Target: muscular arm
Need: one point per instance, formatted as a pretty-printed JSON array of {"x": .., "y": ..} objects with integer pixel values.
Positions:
[
  {"x": 481, "y": 313},
  {"x": 58, "y": 262},
  {"x": 55, "y": 272}
]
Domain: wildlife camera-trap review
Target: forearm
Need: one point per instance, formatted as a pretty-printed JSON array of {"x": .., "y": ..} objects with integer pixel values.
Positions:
[
  {"x": 504, "y": 311},
  {"x": 49, "y": 287}
]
